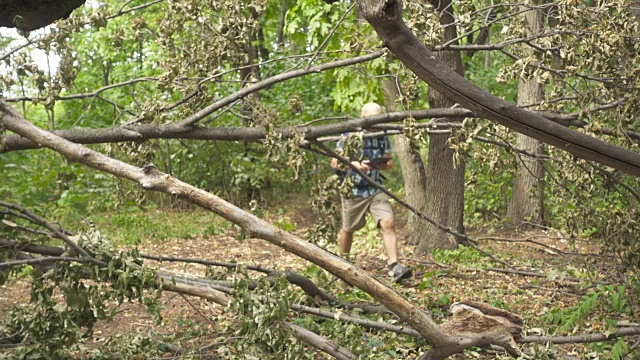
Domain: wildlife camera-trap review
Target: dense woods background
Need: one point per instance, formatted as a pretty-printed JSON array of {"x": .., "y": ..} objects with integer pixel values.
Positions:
[{"x": 244, "y": 100}]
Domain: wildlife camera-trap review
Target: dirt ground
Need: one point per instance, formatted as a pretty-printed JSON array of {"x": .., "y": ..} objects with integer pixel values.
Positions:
[{"x": 195, "y": 321}]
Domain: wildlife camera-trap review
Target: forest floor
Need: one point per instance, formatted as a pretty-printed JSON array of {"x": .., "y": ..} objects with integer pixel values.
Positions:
[{"x": 567, "y": 267}]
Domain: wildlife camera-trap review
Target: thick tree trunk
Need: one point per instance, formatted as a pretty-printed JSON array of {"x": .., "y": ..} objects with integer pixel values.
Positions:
[
  {"x": 412, "y": 167},
  {"x": 445, "y": 176},
  {"x": 527, "y": 200}
]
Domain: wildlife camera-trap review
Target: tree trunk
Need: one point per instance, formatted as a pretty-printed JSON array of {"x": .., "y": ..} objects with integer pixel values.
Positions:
[
  {"x": 527, "y": 200},
  {"x": 412, "y": 167},
  {"x": 445, "y": 176}
]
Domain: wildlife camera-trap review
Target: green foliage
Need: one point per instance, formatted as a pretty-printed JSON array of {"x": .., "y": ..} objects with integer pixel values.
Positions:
[
  {"x": 261, "y": 334},
  {"x": 44, "y": 180},
  {"x": 325, "y": 204},
  {"x": 462, "y": 255},
  {"x": 134, "y": 226},
  {"x": 605, "y": 303},
  {"x": 126, "y": 347},
  {"x": 89, "y": 294}
]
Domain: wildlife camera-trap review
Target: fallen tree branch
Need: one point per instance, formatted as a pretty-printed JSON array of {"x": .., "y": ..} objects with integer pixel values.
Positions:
[
  {"x": 220, "y": 296},
  {"x": 31, "y": 248},
  {"x": 152, "y": 179},
  {"x": 193, "y": 119},
  {"x": 364, "y": 322},
  {"x": 308, "y": 286},
  {"x": 321, "y": 343},
  {"x": 44, "y": 259},
  {"x": 386, "y": 18},
  {"x": 54, "y": 229},
  {"x": 541, "y": 275},
  {"x": 584, "y": 338},
  {"x": 173, "y": 131}
]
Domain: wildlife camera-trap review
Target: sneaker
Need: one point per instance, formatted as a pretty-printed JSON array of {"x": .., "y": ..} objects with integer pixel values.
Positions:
[{"x": 400, "y": 272}]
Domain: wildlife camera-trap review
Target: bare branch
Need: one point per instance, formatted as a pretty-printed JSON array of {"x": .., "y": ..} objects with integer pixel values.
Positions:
[
  {"x": 54, "y": 229},
  {"x": 83, "y": 95},
  {"x": 330, "y": 35},
  {"x": 122, "y": 11},
  {"x": 40, "y": 260},
  {"x": 321, "y": 343},
  {"x": 193, "y": 119},
  {"x": 585, "y": 338}
]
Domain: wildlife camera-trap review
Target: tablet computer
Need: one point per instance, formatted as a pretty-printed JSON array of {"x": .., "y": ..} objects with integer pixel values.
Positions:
[{"x": 377, "y": 162}]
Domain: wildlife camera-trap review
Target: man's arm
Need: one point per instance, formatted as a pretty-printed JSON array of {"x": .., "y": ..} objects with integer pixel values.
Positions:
[
  {"x": 387, "y": 155},
  {"x": 336, "y": 165}
]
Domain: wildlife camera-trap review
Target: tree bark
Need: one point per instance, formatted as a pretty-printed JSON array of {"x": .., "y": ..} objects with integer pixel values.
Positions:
[
  {"x": 445, "y": 175},
  {"x": 527, "y": 199},
  {"x": 27, "y": 15},
  {"x": 412, "y": 167}
]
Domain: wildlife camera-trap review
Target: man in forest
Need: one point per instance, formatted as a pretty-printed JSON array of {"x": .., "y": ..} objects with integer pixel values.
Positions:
[{"x": 365, "y": 197}]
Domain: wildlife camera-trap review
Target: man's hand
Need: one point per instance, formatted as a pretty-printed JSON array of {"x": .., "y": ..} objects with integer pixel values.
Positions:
[
  {"x": 361, "y": 166},
  {"x": 385, "y": 166},
  {"x": 380, "y": 165}
]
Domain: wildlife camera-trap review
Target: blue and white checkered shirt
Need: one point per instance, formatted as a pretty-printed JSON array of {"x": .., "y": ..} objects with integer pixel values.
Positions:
[{"x": 372, "y": 148}]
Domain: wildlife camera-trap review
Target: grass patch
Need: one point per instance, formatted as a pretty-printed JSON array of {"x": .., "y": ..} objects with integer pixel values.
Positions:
[
  {"x": 463, "y": 255},
  {"x": 134, "y": 226}
]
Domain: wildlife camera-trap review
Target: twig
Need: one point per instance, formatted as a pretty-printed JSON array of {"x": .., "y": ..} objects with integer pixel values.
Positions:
[
  {"x": 541, "y": 275},
  {"x": 41, "y": 260},
  {"x": 321, "y": 343},
  {"x": 213, "y": 326},
  {"x": 585, "y": 338},
  {"x": 54, "y": 229},
  {"x": 330, "y": 35},
  {"x": 139, "y": 7},
  {"x": 94, "y": 93},
  {"x": 206, "y": 262}
]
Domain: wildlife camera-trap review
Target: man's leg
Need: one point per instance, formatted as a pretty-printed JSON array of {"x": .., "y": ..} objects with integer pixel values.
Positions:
[
  {"x": 383, "y": 214},
  {"x": 388, "y": 227},
  {"x": 354, "y": 211},
  {"x": 345, "y": 239}
]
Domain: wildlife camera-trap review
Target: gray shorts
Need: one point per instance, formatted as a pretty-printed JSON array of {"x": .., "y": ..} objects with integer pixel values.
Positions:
[{"x": 354, "y": 210}]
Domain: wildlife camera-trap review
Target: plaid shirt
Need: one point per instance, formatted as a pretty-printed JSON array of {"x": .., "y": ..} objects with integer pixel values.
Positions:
[{"x": 372, "y": 148}]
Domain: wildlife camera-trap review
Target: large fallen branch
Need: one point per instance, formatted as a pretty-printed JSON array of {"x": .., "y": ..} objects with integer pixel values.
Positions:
[
  {"x": 174, "y": 131},
  {"x": 386, "y": 18},
  {"x": 56, "y": 231},
  {"x": 167, "y": 283},
  {"x": 202, "y": 288},
  {"x": 152, "y": 179}
]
